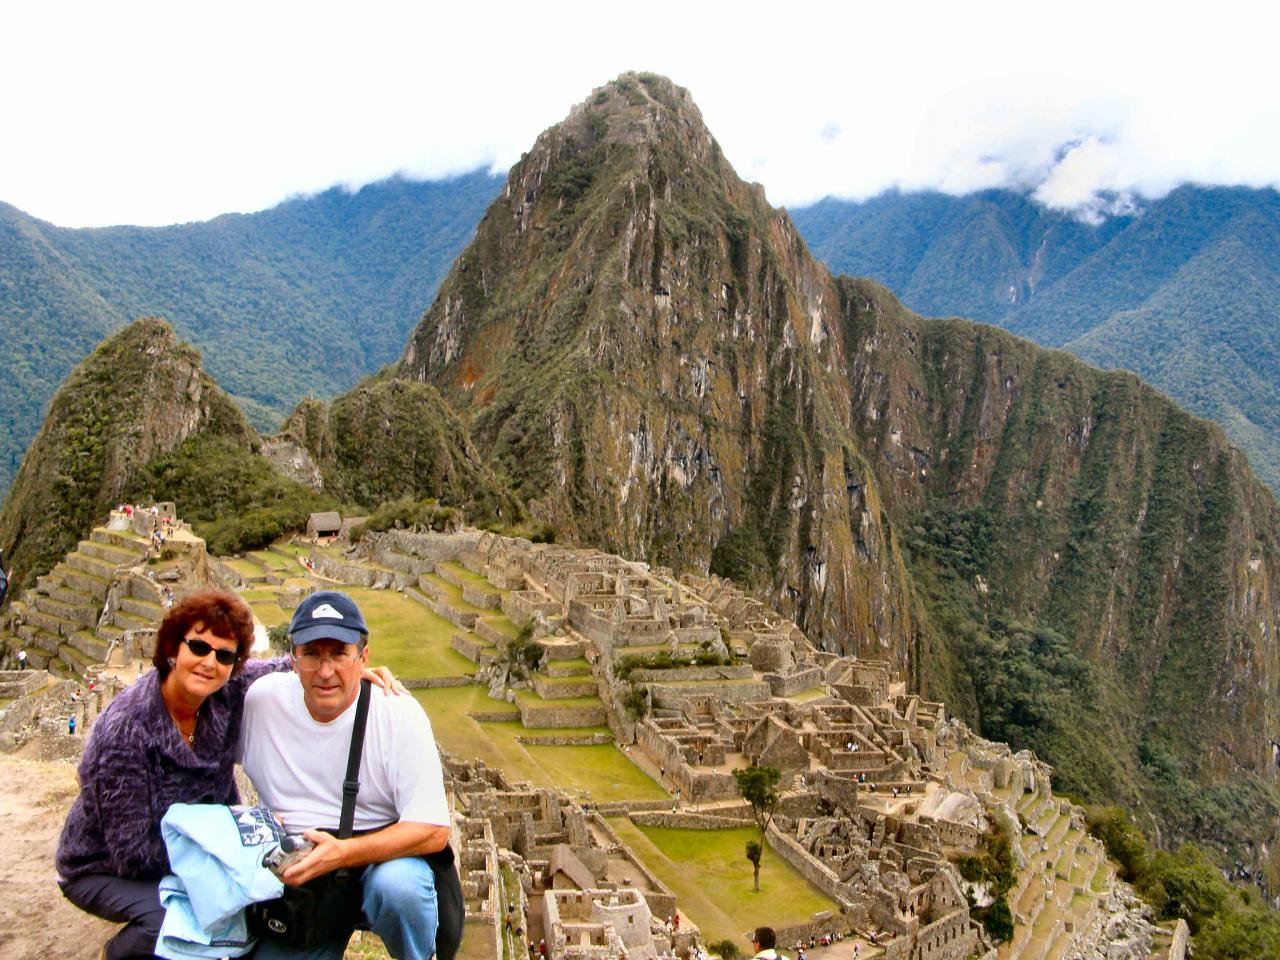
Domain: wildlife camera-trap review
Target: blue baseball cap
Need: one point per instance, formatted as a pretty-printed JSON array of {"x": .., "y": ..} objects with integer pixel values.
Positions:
[{"x": 327, "y": 615}]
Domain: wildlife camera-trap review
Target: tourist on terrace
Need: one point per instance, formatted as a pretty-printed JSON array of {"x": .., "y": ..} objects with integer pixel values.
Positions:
[{"x": 169, "y": 738}]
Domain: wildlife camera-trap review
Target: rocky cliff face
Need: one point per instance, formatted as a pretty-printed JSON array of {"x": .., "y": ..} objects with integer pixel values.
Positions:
[
  {"x": 140, "y": 394},
  {"x": 648, "y": 351}
]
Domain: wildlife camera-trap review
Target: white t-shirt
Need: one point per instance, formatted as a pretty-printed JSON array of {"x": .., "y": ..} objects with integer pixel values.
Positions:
[{"x": 298, "y": 764}]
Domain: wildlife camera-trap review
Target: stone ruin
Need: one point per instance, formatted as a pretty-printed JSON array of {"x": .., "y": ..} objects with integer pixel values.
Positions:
[{"x": 558, "y": 871}]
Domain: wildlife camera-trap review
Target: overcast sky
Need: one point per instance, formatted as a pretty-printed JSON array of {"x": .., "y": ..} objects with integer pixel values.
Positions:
[{"x": 161, "y": 112}]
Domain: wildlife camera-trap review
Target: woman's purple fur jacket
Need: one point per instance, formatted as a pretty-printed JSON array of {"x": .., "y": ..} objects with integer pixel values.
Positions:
[{"x": 136, "y": 764}]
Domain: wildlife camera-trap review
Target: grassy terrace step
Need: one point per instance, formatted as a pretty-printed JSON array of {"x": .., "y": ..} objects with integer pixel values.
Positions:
[
  {"x": 49, "y": 623},
  {"x": 109, "y": 553},
  {"x": 131, "y": 621},
  {"x": 90, "y": 644},
  {"x": 450, "y": 593},
  {"x": 274, "y": 561},
  {"x": 84, "y": 614},
  {"x": 120, "y": 538},
  {"x": 566, "y": 668},
  {"x": 76, "y": 660},
  {"x": 146, "y": 609},
  {"x": 455, "y": 573},
  {"x": 92, "y": 565},
  {"x": 68, "y": 593},
  {"x": 497, "y": 628},
  {"x": 90, "y": 583}
]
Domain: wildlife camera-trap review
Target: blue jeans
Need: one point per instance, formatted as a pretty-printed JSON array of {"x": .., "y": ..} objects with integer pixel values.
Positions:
[{"x": 399, "y": 903}]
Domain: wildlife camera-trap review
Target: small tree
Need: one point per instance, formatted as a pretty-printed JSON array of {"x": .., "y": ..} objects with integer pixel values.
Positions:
[
  {"x": 753, "y": 854},
  {"x": 758, "y": 786}
]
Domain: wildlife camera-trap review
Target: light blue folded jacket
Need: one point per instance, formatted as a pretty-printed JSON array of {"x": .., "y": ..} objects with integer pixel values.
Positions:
[{"x": 216, "y": 854}]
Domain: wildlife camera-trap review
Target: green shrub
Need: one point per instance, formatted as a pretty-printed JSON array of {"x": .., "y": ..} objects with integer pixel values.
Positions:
[{"x": 727, "y": 949}]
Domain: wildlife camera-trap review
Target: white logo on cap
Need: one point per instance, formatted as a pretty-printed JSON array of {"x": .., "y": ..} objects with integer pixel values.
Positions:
[{"x": 325, "y": 610}]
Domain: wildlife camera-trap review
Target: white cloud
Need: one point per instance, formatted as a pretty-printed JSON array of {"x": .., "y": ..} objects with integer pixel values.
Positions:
[{"x": 148, "y": 111}]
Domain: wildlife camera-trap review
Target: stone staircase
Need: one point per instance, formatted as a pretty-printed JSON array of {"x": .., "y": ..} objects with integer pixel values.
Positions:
[
  {"x": 60, "y": 621},
  {"x": 1056, "y": 896}
]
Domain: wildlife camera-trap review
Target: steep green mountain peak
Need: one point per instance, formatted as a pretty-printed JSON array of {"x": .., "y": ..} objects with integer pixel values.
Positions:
[
  {"x": 141, "y": 393},
  {"x": 650, "y": 354}
]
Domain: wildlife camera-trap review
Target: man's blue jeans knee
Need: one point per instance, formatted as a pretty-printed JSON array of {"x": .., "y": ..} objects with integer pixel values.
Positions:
[
  {"x": 400, "y": 905},
  {"x": 399, "y": 902}
]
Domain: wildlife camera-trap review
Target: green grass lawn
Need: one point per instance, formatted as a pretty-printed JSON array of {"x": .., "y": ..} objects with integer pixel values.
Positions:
[
  {"x": 603, "y": 771},
  {"x": 273, "y": 561},
  {"x": 246, "y": 568},
  {"x": 711, "y": 878},
  {"x": 407, "y": 637},
  {"x": 453, "y": 594},
  {"x": 466, "y": 576},
  {"x": 269, "y": 612},
  {"x": 533, "y": 700},
  {"x": 567, "y": 668}
]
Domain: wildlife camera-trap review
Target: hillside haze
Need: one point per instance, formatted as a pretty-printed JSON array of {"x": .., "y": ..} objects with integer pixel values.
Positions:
[
  {"x": 1183, "y": 290},
  {"x": 650, "y": 354},
  {"x": 303, "y": 299}
]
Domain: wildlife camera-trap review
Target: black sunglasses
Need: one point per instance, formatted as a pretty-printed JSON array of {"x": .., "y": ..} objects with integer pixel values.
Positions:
[{"x": 202, "y": 648}]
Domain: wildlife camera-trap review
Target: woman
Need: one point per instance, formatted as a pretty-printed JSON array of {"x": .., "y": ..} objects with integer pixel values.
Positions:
[{"x": 169, "y": 738}]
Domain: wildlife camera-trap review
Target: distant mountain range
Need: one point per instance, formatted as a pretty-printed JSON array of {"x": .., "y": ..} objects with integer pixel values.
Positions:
[
  {"x": 1185, "y": 291},
  {"x": 303, "y": 299}
]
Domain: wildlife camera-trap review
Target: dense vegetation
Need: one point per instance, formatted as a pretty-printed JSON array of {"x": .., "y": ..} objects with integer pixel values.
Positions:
[
  {"x": 232, "y": 497},
  {"x": 1184, "y": 292},
  {"x": 992, "y": 866},
  {"x": 1228, "y": 922},
  {"x": 303, "y": 299}
]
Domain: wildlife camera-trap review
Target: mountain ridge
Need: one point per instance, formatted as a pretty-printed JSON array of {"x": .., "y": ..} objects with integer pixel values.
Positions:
[
  {"x": 1100, "y": 291},
  {"x": 344, "y": 272}
]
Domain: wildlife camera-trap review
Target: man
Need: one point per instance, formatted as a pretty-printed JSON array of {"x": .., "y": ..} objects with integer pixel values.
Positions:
[
  {"x": 764, "y": 940},
  {"x": 294, "y": 746}
]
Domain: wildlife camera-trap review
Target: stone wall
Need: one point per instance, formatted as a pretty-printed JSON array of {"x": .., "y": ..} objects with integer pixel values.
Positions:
[
  {"x": 672, "y": 694},
  {"x": 358, "y": 574},
  {"x": 431, "y": 547},
  {"x": 819, "y": 874},
  {"x": 539, "y": 715},
  {"x": 1181, "y": 936},
  {"x": 434, "y": 683},
  {"x": 679, "y": 820},
  {"x": 789, "y": 684},
  {"x": 949, "y": 938},
  {"x": 592, "y": 740},
  {"x": 552, "y": 689},
  {"x": 674, "y": 675},
  {"x": 18, "y": 683}
]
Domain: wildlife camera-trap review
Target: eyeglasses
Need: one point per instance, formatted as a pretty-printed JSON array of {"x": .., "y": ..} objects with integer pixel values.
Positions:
[
  {"x": 307, "y": 660},
  {"x": 202, "y": 649}
]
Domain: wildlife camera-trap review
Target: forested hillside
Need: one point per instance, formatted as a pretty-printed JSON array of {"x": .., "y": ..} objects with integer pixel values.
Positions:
[
  {"x": 1182, "y": 291},
  {"x": 303, "y": 299}
]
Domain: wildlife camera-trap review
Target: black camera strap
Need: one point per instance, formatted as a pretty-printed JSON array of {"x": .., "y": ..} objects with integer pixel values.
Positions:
[{"x": 351, "y": 785}]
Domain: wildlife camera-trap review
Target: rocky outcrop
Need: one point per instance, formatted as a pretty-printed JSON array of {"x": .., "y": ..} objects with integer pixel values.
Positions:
[{"x": 140, "y": 394}]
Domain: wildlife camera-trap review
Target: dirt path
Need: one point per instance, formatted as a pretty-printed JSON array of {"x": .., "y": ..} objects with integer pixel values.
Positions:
[{"x": 35, "y": 921}]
